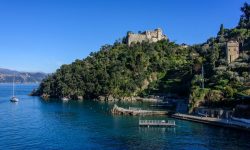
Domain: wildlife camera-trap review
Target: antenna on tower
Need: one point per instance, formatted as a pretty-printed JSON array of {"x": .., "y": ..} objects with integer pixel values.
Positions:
[{"x": 202, "y": 76}]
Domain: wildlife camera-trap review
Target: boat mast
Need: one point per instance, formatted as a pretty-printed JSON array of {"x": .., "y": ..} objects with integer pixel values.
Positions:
[{"x": 13, "y": 88}]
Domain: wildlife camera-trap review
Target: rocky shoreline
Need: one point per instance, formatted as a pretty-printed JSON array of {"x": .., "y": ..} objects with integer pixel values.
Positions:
[
  {"x": 129, "y": 99},
  {"x": 106, "y": 98}
]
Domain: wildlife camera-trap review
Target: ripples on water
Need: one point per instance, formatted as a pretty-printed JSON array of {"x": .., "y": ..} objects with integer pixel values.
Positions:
[{"x": 36, "y": 124}]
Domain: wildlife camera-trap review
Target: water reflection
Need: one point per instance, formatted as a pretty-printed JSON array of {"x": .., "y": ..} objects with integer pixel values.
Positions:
[{"x": 157, "y": 130}]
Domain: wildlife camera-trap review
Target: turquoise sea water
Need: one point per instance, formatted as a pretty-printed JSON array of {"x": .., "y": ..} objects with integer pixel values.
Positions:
[{"x": 35, "y": 124}]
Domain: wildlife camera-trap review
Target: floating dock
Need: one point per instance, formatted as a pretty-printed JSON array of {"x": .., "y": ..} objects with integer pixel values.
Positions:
[
  {"x": 136, "y": 111},
  {"x": 157, "y": 123}
]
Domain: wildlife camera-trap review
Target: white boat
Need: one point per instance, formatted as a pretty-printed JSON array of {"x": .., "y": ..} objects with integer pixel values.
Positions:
[
  {"x": 65, "y": 99},
  {"x": 13, "y": 98}
]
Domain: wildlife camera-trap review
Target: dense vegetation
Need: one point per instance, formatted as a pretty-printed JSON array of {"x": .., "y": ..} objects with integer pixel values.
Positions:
[
  {"x": 117, "y": 70},
  {"x": 223, "y": 82},
  {"x": 143, "y": 69}
]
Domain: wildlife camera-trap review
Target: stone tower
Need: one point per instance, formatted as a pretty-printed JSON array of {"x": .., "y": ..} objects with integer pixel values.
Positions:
[
  {"x": 232, "y": 51},
  {"x": 147, "y": 36}
]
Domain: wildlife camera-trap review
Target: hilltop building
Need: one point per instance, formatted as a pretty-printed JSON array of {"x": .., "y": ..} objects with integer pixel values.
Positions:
[
  {"x": 183, "y": 45},
  {"x": 147, "y": 36},
  {"x": 232, "y": 51}
]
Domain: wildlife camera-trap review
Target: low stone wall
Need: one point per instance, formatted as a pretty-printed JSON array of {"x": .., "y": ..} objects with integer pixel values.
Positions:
[
  {"x": 136, "y": 112},
  {"x": 241, "y": 120}
]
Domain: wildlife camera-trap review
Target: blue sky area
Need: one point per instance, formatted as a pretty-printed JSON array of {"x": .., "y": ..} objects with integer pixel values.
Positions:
[{"x": 41, "y": 35}]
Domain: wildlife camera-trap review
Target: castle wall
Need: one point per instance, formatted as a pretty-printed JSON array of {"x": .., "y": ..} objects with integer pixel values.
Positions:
[
  {"x": 136, "y": 38},
  {"x": 148, "y": 36}
]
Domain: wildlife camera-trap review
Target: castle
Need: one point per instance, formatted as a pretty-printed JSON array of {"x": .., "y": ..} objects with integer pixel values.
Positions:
[
  {"x": 232, "y": 51},
  {"x": 147, "y": 36},
  {"x": 232, "y": 47}
]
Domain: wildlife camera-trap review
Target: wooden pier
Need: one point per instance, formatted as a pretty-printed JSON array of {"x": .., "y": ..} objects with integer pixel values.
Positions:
[
  {"x": 157, "y": 123},
  {"x": 136, "y": 111}
]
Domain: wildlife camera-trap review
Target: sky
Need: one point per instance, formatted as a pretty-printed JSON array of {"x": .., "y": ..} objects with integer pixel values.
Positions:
[{"x": 41, "y": 35}]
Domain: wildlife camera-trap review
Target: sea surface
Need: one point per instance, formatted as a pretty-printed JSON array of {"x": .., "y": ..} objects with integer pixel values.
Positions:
[{"x": 33, "y": 123}]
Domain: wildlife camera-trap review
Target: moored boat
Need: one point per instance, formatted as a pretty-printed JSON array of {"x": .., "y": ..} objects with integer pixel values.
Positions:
[
  {"x": 65, "y": 99},
  {"x": 13, "y": 98}
]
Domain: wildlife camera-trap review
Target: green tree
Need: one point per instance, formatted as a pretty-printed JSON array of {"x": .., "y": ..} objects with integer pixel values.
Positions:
[
  {"x": 229, "y": 91},
  {"x": 222, "y": 30},
  {"x": 245, "y": 17}
]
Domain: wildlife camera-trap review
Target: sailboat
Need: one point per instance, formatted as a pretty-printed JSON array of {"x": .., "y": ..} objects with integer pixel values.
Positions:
[{"x": 13, "y": 98}]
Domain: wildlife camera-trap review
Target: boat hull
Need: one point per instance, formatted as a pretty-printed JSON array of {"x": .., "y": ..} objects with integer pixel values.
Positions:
[{"x": 14, "y": 99}]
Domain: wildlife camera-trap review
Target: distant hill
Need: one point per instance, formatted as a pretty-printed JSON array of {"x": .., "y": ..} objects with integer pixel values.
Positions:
[{"x": 6, "y": 76}]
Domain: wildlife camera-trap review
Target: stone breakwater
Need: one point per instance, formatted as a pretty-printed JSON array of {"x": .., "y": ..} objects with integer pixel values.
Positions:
[
  {"x": 229, "y": 123},
  {"x": 136, "y": 111}
]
